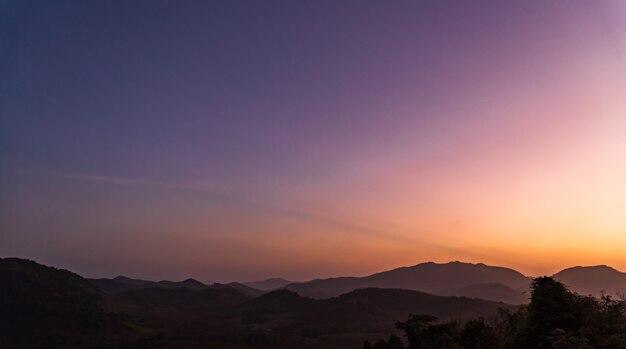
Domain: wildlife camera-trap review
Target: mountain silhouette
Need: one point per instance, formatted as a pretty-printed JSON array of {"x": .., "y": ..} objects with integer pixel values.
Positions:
[
  {"x": 121, "y": 284},
  {"x": 212, "y": 297},
  {"x": 362, "y": 310},
  {"x": 440, "y": 279},
  {"x": 245, "y": 289},
  {"x": 594, "y": 280},
  {"x": 156, "y": 296},
  {"x": 45, "y": 307},
  {"x": 494, "y": 292},
  {"x": 268, "y": 284},
  {"x": 398, "y": 302}
]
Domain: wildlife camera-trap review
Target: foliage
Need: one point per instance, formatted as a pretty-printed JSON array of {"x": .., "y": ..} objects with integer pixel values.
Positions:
[{"x": 555, "y": 318}]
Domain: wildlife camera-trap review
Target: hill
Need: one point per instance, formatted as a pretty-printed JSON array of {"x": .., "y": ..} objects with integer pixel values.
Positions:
[
  {"x": 368, "y": 310},
  {"x": 45, "y": 307},
  {"x": 218, "y": 297},
  {"x": 268, "y": 284},
  {"x": 441, "y": 279},
  {"x": 593, "y": 280},
  {"x": 121, "y": 284},
  {"x": 493, "y": 292},
  {"x": 245, "y": 289}
]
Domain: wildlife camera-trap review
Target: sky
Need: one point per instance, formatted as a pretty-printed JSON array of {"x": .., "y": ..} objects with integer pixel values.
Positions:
[{"x": 241, "y": 140}]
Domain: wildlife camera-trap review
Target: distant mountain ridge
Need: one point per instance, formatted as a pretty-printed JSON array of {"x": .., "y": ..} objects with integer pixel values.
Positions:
[
  {"x": 594, "y": 280},
  {"x": 460, "y": 279},
  {"x": 363, "y": 308},
  {"x": 268, "y": 284},
  {"x": 122, "y": 284},
  {"x": 439, "y": 279},
  {"x": 493, "y": 292},
  {"x": 45, "y": 307}
]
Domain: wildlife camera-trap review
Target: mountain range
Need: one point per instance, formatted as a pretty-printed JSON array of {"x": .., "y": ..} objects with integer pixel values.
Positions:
[
  {"x": 481, "y": 281},
  {"x": 45, "y": 307},
  {"x": 469, "y": 280},
  {"x": 445, "y": 279},
  {"x": 121, "y": 284},
  {"x": 42, "y": 306},
  {"x": 268, "y": 284},
  {"x": 454, "y": 278}
]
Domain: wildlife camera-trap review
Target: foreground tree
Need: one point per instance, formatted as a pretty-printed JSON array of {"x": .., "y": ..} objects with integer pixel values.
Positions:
[{"x": 555, "y": 318}]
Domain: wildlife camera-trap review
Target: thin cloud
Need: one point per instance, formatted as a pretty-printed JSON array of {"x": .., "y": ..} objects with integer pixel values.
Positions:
[
  {"x": 240, "y": 199},
  {"x": 149, "y": 183}
]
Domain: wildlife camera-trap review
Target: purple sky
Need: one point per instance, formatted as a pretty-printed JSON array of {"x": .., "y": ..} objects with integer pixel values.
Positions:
[{"x": 242, "y": 139}]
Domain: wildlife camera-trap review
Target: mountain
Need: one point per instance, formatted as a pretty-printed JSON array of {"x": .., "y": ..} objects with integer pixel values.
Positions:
[
  {"x": 45, "y": 307},
  {"x": 212, "y": 297},
  {"x": 268, "y": 284},
  {"x": 440, "y": 279},
  {"x": 217, "y": 298},
  {"x": 156, "y": 296},
  {"x": 121, "y": 284},
  {"x": 245, "y": 289},
  {"x": 278, "y": 302},
  {"x": 26, "y": 280},
  {"x": 398, "y": 304},
  {"x": 362, "y": 310},
  {"x": 493, "y": 292},
  {"x": 594, "y": 280}
]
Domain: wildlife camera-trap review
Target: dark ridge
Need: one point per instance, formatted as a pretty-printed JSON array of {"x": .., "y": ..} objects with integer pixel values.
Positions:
[
  {"x": 121, "y": 284},
  {"x": 156, "y": 296},
  {"x": 594, "y": 280},
  {"x": 48, "y": 307},
  {"x": 440, "y": 279},
  {"x": 268, "y": 284}
]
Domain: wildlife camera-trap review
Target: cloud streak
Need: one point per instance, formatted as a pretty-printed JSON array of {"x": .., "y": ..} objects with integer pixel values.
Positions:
[{"x": 240, "y": 199}]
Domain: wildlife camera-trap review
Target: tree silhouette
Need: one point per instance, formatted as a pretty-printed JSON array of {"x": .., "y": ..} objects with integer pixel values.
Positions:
[{"x": 555, "y": 318}]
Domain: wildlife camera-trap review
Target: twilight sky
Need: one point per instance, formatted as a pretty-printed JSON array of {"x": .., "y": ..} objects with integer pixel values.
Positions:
[{"x": 238, "y": 140}]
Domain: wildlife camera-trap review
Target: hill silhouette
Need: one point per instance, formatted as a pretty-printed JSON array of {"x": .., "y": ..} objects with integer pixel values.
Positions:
[
  {"x": 156, "y": 296},
  {"x": 593, "y": 280},
  {"x": 121, "y": 284},
  {"x": 494, "y": 292},
  {"x": 363, "y": 310},
  {"x": 268, "y": 284},
  {"x": 396, "y": 302},
  {"x": 245, "y": 289},
  {"x": 47, "y": 307},
  {"x": 441, "y": 279},
  {"x": 555, "y": 318},
  {"x": 44, "y": 307},
  {"x": 209, "y": 298}
]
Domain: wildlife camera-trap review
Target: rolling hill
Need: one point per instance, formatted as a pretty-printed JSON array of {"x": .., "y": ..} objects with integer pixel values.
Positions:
[
  {"x": 44, "y": 307},
  {"x": 594, "y": 280},
  {"x": 493, "y": 292},
  {"x": 268, "y": 284},
  {"x": 452, "y": 278},
  {"x": 121, "y": 284}
]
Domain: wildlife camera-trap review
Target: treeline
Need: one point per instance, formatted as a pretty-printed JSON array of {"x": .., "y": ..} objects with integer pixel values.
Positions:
[{"x": 555, "y": 318}]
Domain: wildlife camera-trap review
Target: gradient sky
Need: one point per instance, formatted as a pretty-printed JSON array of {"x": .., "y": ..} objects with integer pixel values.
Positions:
[{"x": 238, "y": 140}]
